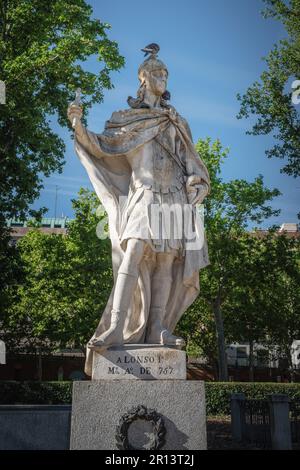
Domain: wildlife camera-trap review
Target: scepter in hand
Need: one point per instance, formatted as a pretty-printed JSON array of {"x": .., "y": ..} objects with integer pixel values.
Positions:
[{"x": 74, "y": 110}]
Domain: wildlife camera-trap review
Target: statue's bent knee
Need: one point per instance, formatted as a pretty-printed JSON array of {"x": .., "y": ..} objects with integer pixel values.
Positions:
[{"x": 132, "y": 258}]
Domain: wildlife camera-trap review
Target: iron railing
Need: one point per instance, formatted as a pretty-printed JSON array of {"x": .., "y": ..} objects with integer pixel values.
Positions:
[
  {"x": 295, "y": 422},
  {"x": 256, "y": 422},
  {"x": 256, "y": 426}
]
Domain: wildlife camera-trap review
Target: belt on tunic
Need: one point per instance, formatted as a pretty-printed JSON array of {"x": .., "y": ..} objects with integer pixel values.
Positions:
[{"x": 156, "y": 187}]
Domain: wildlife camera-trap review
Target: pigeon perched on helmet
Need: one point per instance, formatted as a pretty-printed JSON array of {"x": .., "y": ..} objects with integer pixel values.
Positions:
[{"x": 152, "y": 48}]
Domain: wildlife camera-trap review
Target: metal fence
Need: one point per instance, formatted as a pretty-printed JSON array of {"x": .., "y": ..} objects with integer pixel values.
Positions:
[
  {"x": 272, "y": 423},
  {"x": 295, "y": 422},
  {"x": 257, "y": 422}
]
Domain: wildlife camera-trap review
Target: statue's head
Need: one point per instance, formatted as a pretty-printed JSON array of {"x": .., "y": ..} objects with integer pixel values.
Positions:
[{"x": 153, "y": 76}]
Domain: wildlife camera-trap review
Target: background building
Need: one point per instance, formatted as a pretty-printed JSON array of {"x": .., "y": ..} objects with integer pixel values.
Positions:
[{"x": 49, "y": 225}]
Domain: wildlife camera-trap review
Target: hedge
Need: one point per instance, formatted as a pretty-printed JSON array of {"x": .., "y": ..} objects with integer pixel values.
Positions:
[
  {"x": 217, "y": 393},
  {"x": 35, "y": 393}
]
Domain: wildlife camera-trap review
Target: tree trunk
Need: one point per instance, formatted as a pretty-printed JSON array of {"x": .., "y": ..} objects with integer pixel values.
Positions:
[
  {"x": 251, "y": 361},
  {"x": 290, "y": 363},
  {"x": 223, "y": 372},
  {"x": 39, "y": 365}
]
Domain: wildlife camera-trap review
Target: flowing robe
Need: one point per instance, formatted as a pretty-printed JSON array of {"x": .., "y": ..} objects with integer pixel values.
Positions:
[{"x": 104, "y": 157}]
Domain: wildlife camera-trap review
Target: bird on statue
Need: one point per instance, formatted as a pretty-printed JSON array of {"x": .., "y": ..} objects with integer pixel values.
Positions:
[{"x": 152, "y": 49}]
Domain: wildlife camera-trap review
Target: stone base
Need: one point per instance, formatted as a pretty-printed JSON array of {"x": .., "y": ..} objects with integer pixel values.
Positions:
[
  {"x": 139, "y": 361},
  {"x": 35, "y": 427},
  {"x": 157, "y": 414}
]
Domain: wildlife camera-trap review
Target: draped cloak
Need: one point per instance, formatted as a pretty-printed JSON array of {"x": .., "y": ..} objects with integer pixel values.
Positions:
[{"x": 104, "y": 158}]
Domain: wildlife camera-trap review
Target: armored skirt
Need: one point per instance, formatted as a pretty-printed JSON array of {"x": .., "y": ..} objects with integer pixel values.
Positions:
[{"x": 160, "y": 218}]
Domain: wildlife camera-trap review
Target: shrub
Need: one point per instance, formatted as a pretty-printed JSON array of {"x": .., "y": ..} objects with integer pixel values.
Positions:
[
  {"x": 35, "y": 393},
  {"x": 217, "y": 393}
]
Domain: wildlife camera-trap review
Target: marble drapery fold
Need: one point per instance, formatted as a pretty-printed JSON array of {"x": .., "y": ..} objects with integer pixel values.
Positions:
[{"x": 104, "y": 158}]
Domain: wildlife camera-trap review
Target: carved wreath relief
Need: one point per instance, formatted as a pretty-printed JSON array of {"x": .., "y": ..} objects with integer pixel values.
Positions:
[{"x": 140, "y": 412}]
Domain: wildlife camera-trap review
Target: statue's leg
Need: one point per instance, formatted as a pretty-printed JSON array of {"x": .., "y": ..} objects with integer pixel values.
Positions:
[
  {"x": 124, "y": 290},
  {"x": 160, "y": 291}
]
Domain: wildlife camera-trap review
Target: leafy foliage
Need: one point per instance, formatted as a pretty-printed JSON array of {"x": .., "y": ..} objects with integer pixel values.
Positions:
[
  {"x": 35, "y": 393},
  {"x": 66, "y": 284},
  {"x": 263, "y": 306},
  {"x": 11, "y": 269},
  {"x": 43, "y": 49},
  {"x": 217, "y": 394},
  {"x": 43, "y": 45},
  {"x": 270, "y": 98},
  {"x": 229, "y": 208}
]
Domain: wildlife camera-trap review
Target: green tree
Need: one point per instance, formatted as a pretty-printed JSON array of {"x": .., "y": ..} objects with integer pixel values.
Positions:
[
  {"x": 270, "y": 98},
  {"x": 65, "y": 287},
  {"x": 11, "y": 272},
  {"x": 43, "y": 46},
  {"x": 229, "y": 209},
  {"x": 246, "y": 310},
  {"x": 92, "y": 279},
  {"x": 249, "y": 310},
  {"x": 283, "y": 325},
  {"x": 197, "y": 326}
]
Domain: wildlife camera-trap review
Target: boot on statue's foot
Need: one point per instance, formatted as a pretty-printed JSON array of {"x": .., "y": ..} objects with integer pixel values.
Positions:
[
  {"x": 113, "y": 336},
  {"x": 169, "y": 339},
  {"x": 157, "y": 334}
]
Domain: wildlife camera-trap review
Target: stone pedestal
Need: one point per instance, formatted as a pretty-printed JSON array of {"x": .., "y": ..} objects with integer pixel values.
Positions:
[
  {"x": 280, "y": 425},
  {"x": 140, "y": 362},
  {"x": 126, "y": 414},
  {"x": 161, "y": 410}
]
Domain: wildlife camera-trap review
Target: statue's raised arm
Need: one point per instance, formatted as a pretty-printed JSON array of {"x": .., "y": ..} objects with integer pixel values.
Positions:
[{"x": 86, "y": 138}]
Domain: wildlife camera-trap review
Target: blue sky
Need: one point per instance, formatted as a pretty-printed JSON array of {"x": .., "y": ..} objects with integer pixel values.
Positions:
[{"x": 213, "y": 50}]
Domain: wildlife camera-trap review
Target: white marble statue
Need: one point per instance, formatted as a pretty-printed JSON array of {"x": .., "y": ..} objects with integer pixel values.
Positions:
[{"x": 145, "y": 158}]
